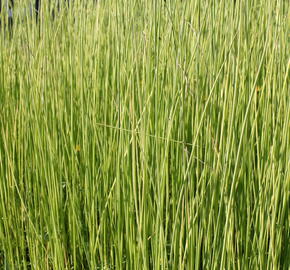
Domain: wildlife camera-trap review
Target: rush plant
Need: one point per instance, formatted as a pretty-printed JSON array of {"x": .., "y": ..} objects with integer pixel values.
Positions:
[{"x": 146, "y": 135}]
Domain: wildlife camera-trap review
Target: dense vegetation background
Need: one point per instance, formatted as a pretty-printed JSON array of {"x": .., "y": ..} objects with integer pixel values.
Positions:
[{"x": 146, "y": 135}]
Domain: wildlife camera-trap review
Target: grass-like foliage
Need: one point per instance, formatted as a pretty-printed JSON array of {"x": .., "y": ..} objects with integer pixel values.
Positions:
[{"x": 146, "y": 135}]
